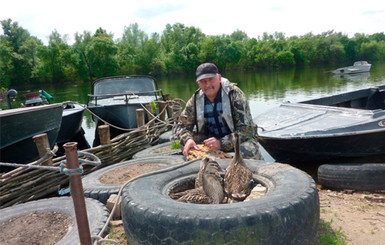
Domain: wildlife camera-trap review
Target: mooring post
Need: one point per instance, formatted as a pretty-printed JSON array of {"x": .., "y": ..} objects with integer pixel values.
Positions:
[
  {"x": 42, "y": 144},
  {"x": 162, "y": 106},
  {"x": 104, "y": 134},
  {"x": 78, "y": 194},
  {"x": 150, "y": 115},
  {"x": 167, "y": 98},
  {"x": 140, "y": 118}
]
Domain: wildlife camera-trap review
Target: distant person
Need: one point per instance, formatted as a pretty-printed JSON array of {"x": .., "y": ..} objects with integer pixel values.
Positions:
[{"x": 217, "y": 109}]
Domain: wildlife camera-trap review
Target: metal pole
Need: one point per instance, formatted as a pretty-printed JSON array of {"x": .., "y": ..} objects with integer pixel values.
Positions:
[{"x": 78, "y": 194}]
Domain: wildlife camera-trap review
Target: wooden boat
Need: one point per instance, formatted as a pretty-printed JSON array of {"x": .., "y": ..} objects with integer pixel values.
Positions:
[
  {"x": 115, "y": 99},
  {"x": 18, "y": 126},
  {"x": 347, "y": 126},
  {"x": 358, "y": 67}
]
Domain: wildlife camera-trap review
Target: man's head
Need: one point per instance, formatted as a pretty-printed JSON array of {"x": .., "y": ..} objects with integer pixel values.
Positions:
[{"x": 208, "y": 79}]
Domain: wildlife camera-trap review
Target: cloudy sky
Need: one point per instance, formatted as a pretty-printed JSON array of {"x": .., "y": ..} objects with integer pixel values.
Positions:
[{"x": 292, "y": 17}]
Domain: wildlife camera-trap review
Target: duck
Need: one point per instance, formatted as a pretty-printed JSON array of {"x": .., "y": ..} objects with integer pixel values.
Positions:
[
  {"x": 208, "y": 185},
  {"x": 213, "y": 182},
  {"x": 238, "y": 179}
]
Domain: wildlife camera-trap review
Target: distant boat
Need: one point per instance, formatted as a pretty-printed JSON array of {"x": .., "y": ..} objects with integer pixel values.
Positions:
[
  {"x": 18, "y": 126},
  {"x": 357, "y": 67},
  {"x": 115, "y": 99},
  {"x": 345, "y": 126}
]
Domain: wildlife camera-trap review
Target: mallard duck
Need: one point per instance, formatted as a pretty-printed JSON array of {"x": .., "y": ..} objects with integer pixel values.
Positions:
[
  {"x": 208, "y": 185},
  {"x": 213, "y": 182},
  {"x": 238, "y": 178},
  {"x": 202, "y": 169}
]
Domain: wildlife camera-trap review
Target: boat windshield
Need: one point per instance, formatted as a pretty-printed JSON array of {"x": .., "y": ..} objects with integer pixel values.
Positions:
[{"x": 124, "y": 85}]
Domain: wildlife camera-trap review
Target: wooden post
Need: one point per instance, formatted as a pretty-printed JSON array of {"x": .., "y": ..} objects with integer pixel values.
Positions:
[
  {"x": 150, "y": 115},
  {"x": 104, "y": 134},
  {"x": 42, "y": 144},
  {"x": 140, "y": 117},
  {"x": 162, "y": 106},
  {"x": 167, "y": 98}
]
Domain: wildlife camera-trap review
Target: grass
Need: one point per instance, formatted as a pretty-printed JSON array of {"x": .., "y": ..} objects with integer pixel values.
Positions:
[{"x": 328, "y": 236}]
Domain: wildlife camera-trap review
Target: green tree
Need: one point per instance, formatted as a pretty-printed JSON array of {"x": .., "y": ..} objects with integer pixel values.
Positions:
[
  {"x": 102, "y": 55},
  {"x": 53, "y": 59},
  {"x": 129, "y": 48},
  {"x": 79, "y": 58},
  {"x": 19, "y": 69},
  {"x": 6, "y": 65}
]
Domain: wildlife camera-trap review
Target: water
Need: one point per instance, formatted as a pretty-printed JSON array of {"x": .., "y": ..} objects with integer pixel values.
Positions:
[{"x": 264, "y": 90}]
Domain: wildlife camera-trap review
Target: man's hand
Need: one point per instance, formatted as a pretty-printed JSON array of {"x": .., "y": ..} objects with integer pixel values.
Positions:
[
  {"x": 213, "y": 143},
  {"x": 189, "y": 144}
]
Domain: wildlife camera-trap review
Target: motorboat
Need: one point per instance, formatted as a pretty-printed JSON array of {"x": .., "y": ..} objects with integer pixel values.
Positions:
[
  {"x": 115, "y": 99},
  {"x": 19, "y": 125},
  {"x": 349, "y": 126},
  {"x": 72, "y": 117},
  {"x": 357, "y": 67}
]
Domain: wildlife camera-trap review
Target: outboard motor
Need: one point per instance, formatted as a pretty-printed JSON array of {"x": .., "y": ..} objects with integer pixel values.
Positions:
[{"x": 11, "y": 94}]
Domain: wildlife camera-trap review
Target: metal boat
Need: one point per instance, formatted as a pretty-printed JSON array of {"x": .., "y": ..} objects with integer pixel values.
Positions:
[
  {"x": 72, "y": 114},
  {"x": 347, "y": 126},
  {"x": 18, "y": 126},
  {"x": 115, "y": 99},
  {"x": 358, "y": 67}
]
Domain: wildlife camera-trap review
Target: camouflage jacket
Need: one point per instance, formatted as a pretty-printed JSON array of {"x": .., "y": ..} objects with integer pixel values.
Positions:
[{"x": 236, "y": 113}]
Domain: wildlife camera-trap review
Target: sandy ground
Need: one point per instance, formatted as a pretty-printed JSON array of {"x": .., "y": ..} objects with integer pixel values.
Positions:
[{"x": 359, "y": 215}]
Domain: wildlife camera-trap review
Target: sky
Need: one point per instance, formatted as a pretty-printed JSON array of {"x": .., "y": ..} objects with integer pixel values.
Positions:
[{"x": 291, "y": 17}]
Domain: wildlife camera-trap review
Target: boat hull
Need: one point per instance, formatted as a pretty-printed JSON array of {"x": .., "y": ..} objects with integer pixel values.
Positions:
[
  {"x": 18, "y": 126},
  {"x": 122, "y": 115},
  {"x": 354, "y": 147},
  {"x": 71, "y": 123}
]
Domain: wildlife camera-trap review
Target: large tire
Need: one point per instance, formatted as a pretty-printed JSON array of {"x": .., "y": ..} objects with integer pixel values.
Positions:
[
  {"x": 287, "y": 214},
  {"x": 154, "y": 151},
  {"x": 96, "y": 211},
  {"x": 363, "y": 177},
  {"x": 93, "y": 188}
]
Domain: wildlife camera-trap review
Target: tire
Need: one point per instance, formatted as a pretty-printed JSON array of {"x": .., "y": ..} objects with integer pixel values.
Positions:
[
  {"x": 96, "y": 211},
  {"x": 287, "y": 214},
  {"x": 93, "y": 188},
  {"x": 363, "y": 177},
  {"x": 152, "y": 151},
  {"x": 165, "y": 137}
]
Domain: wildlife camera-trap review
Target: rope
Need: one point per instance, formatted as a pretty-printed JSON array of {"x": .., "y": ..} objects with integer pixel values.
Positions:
[
  {"x": 155, "y": 118},
  {"x": 63, "y": 165}
]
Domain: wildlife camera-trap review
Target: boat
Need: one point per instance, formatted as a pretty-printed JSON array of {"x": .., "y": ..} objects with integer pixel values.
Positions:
[
  {"x": 72, "y": 117},
  {"x": 115, "y": 99},
  {"x": 357, "y": 67},
  {"x": 18, "y": 126},
  {"x": 348, "y": 126},
  {"x": 71, "y": 125}
]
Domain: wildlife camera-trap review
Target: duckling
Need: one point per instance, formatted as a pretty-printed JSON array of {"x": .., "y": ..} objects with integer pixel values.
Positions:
[
  {"x": 213, "y": 182},
  {"x": 238, "y": 178}
]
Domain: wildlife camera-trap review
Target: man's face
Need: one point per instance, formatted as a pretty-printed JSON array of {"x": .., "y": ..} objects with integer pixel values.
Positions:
[{"x": 210, "y": 86}]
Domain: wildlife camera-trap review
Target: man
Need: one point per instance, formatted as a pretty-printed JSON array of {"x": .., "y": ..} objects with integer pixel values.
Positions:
[{"x": 217, "y": 109}]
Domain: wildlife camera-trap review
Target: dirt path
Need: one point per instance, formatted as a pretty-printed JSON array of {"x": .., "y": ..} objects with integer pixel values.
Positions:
[{"x": 361, "y": 215}]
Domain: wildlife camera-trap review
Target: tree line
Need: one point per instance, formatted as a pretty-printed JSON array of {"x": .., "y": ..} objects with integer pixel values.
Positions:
[{"x": 179, "y": 49}]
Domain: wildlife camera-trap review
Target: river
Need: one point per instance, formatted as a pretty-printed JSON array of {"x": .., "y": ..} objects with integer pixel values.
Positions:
[{"x": 264, "y": 89}]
